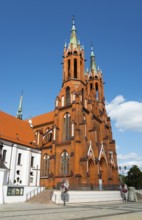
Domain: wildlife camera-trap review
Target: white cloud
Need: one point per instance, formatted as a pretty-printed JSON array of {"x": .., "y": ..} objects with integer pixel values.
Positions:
[
  {"x": 129, "y": 156},
  {"x": 129, "y": 160},
  {"x": 126, "y": 114}
]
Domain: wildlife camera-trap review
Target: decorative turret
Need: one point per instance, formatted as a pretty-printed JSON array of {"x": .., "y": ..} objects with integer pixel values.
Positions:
[
  {"x": 73, "y": 37},
  {"x": 92, "y": 61},
  {"x": 19, "y": 112}
]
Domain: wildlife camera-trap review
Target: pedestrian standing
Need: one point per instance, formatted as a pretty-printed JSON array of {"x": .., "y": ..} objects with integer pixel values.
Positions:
[{"x": 125, "y": 192}]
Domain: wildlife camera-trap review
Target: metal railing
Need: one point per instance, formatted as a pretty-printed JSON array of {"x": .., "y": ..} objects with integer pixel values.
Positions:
[{"x": 34, "y": 193}]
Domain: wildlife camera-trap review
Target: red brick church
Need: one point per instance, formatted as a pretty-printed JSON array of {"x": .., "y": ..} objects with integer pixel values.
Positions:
[{"x": 76, "y": 138}]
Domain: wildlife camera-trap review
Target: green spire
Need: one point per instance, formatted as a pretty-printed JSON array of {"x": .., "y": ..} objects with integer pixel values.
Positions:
[
  {"x": 73, "y": 37},
  {"x": 19, "y": 112},
  {"x": 92, "y": 60}
]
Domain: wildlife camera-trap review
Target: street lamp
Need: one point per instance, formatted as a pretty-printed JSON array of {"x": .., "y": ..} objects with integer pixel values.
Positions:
[{"x": 122, "y": 172}]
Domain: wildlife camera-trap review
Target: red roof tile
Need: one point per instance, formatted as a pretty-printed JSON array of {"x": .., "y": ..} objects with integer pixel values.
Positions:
[
  {"x": 15, "y": 130},
  {"x": 43, "y": 119}
]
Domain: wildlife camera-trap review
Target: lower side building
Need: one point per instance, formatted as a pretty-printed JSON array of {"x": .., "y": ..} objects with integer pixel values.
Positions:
[{"x": 18, "y": 154}]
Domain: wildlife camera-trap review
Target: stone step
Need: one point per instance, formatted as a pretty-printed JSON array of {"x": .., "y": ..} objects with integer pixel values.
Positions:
[
  {"x": 43, "y": 197},
  {"x": 85, "y": 196}
]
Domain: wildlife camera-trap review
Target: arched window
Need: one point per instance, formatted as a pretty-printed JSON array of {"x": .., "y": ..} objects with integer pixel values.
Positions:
[
  {"x": 97, "y": 93},
  {"x": 68, "y": 68},
  {"x": 64, "y": 163},
  {"x": 66, "y": 127},
  {"x": 75, "y": 68},
  {"x": 91, "y": 87},
  {"x": 48, "y": 135},
  {"x": 67, "y": 95},
  {"x": 45, "y": 165}
]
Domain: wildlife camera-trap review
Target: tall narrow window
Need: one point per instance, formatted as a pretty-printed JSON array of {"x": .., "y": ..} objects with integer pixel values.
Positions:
[
  {"x": 32, "y": 161},
  {"x": 97, "y": 93},
  {"x": 64, "y": 163},
  {"x": 68, "y": 68},
  {"x": 19, "y": 159},
  {"x": 91, "y": 87},
  {"x": 45, "y": 165},
  {"x": 66, "y": 127},
  {"x": 48, "y": 134},
  {"x": 75, "y": 68},
  {"x": 67, "y": 95},
  {"x": 4, "y": 155}
]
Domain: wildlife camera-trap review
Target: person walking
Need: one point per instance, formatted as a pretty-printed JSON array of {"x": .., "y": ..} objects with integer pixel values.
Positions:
[{"x": 125, "y": 192}]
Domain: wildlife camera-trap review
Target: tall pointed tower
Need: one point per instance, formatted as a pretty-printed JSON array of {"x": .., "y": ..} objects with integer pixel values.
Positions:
[
  {"x": 77, "y": 138},
  {"x": 19, "y": 112}
]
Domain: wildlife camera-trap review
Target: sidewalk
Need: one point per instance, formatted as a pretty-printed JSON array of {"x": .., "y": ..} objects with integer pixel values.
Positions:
[{"x": 82, "y": 211}]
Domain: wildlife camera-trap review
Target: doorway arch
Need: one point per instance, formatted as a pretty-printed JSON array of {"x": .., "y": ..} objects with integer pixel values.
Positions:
[
  {"x": 104, "y": 171},
  {"x": 92, "y": 172}
]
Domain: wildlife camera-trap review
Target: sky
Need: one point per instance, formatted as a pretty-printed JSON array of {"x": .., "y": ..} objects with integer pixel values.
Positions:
[{"x": 32, "y": 38}]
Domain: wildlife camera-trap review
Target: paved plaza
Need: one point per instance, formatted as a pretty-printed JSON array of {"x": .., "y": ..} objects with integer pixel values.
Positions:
[{"x": 82, "y": 211}]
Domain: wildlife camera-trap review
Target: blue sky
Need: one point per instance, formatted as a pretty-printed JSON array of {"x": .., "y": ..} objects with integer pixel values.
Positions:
[{"x": 32, "y": 37}]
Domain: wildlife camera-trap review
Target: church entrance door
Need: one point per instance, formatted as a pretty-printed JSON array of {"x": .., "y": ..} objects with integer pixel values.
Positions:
[
  {"x": 104, "y": 171},
  {"x": 92, "y": 172}
]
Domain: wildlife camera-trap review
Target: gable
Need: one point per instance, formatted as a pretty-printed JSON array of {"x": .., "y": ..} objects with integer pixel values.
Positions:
[{"x": 43, "y": 119}]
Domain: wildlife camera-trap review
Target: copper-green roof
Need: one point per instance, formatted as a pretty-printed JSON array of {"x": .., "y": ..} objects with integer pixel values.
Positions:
[
  {"x": 92, "y": 60},
  {"x": 73, "y": 37}
]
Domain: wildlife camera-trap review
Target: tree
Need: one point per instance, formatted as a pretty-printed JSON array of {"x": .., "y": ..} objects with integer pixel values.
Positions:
[{"x": 134, "y": 177}]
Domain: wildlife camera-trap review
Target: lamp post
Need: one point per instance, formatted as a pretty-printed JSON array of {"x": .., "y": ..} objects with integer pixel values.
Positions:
[{"x": 122, "y": 172}]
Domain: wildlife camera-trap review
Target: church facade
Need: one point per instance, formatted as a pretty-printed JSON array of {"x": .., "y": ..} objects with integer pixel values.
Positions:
[{"x": 76, "y": 139}]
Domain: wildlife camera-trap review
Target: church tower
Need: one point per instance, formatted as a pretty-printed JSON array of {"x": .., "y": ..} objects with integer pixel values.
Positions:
[
  {"x": 76, "y": 138},
  {"x": 73, "y": 59}
]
